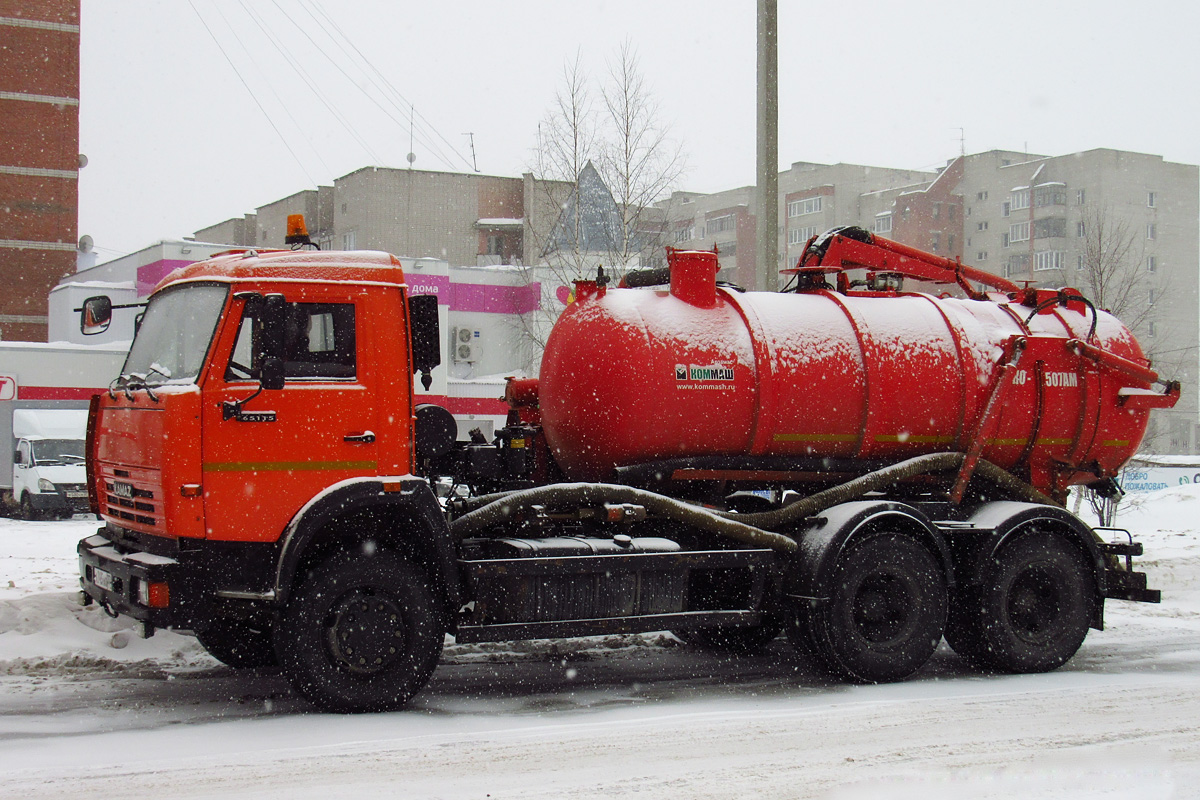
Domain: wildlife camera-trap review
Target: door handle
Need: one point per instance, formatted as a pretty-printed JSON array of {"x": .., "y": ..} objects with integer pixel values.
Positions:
[{"x": 366, "y": 437}]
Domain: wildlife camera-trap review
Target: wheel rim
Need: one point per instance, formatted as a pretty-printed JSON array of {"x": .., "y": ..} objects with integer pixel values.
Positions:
[
  {"x": 1034, "y": 605},
  {"x": 881, "y": 608},
  {"x": 365, "y": 631}
]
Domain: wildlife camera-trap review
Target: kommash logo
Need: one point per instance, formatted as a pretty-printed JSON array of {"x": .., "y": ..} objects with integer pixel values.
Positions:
[{"x": 713, "y": 376}]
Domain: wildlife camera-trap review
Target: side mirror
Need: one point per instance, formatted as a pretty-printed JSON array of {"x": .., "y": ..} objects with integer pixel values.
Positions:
[
  {"x": 271, "y": 373},
  {"x": 96, "y": 315},
  {"x": 273, "y": 318},
  {"x": 18, "y": 457},
  {"x": 426, "y": 341}
]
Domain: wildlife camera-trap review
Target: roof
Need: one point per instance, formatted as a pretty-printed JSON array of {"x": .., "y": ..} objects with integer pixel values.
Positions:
[{"x": 358, "y": 266}]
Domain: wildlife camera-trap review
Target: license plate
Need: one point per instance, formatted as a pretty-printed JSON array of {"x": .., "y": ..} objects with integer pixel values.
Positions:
[
  {"x": 102, "y": 579},
  {"x": 76, "y": 495}
]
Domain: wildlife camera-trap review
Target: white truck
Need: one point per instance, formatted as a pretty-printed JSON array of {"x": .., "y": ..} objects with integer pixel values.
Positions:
[{"x": 48, "y": 476}]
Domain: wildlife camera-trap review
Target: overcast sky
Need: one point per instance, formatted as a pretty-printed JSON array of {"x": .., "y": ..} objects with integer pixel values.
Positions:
[{"x": 177, "y": 138}]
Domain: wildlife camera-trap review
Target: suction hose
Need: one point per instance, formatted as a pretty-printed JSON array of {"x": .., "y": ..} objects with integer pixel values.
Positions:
[{"x": 759, "y": 530}]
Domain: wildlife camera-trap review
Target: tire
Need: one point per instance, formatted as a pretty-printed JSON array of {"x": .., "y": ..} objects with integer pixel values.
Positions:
[
  {"x": 1031, "y": 611},
  {"x": 885, "y": 614},
  {"x": 27, "y": 509},
  {"x": 238, "y": 644},
  {"x": 741, "y": 640},
  {"x": 361, "y": 633}
]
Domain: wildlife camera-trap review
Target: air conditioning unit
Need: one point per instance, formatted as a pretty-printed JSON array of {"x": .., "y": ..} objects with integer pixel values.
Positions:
[{"x": 465, "y": 344}]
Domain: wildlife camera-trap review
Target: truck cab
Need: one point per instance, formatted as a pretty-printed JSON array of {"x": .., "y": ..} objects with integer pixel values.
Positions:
[{"x": 258, "y": 383}]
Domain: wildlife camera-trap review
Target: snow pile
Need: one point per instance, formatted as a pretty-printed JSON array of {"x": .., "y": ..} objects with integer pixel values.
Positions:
[{"x": 44, "y": 631}]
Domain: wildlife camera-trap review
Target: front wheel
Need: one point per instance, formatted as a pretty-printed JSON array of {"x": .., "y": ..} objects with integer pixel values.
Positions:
[
  {"x": 1031, "y": 611},
  {"x": 27, "y": 509},
  {"x": 885, "y": 613},
  {"x": 361, "y": 633}
]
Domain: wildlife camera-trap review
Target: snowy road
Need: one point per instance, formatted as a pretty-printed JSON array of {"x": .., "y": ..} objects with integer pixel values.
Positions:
[{"x": 94, "y": 713}]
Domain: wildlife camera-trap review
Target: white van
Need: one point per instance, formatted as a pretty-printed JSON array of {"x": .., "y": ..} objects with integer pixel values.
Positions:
[{"x": 49, "y": 473}]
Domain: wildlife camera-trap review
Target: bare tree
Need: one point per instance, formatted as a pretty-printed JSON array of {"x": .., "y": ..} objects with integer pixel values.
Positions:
[
  {"x": 639, "y": 160},
  {"x": 635, "y": 163},
  {"x": 1114, "y": 272},
  {"x": 567, "y": 142}
]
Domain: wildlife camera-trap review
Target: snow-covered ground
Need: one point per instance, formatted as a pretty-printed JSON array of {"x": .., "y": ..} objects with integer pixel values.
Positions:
[{"x": 88, "y": 710}]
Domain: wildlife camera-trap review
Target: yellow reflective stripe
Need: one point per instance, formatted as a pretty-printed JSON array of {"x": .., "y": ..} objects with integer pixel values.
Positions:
[
  {"x": 816, "y": 437},
  {"x": 1009, "y": 442},
  {"x": 1116, "y": 443},
  {"x": 1053, "y": 442},
  {"x": 288, "y": 466},
  {"x": 914, "y": 438}
]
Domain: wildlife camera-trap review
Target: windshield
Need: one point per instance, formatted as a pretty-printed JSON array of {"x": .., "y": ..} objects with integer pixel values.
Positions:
[
  {"x": 175, "y": 334},
  {"x": 49, "y": 452}
]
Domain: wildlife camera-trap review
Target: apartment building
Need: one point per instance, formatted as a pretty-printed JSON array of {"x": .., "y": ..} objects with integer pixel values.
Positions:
[{"x": 39, "y": 158}]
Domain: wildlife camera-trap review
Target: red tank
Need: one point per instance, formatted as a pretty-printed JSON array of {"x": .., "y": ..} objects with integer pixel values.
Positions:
[{"x": 637, "y": 375}]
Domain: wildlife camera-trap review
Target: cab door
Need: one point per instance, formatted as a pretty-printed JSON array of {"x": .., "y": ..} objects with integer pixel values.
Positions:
[{"x": 267, "y": 454}]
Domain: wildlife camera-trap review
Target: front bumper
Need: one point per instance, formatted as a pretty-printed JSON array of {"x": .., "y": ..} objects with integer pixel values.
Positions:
[
  {"x": 59, "y": 502},
  {"x": 120, "y": 582}
]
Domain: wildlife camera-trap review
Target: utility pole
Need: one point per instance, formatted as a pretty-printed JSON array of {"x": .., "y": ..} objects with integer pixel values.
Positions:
[{"x": 766, "y": 250}]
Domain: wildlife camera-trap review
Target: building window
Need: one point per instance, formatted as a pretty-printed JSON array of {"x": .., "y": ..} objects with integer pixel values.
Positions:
[
  {"x": 950, "y": 243},
  {"x": 937, "y": 210},
  {"x": 1080, "y": 197},
  {"x": 981, "y": 255},
  {"x": 1050, "y": 228},
  {"x": 495, "y": 245},
  {"x": 936, "y": 243},
  {"x": 343, "y": 208},
  {"x": 1150, "y": 198},
  {"x": 1018, "y": 232},
  {"x": 1079, "y": 263},
  {"x": 348, "y": 240},
  {"x": 1020, "y": 199},
  {"x": 883, "y": 223},
  {"x": 801, "y": 235},
  {"x": 798, "y": 208},
  {"x": 981, "y": 195},
  {"x": 1152, "y": 264},
  {"x": 1080, "y": 230},
  {"x": 1050, "y": 196},
  {"x": 1150, "y": 296},
  {"x": 1151, "y": 231},
  {"x": 1004, "y": 240},
  {"x": 719, "y": 224},
  {"x": 950, "y": 213},
  {"x": 1048, "y": 259},
  {"x": 1153, "y": 326},
  {"x": 1005, "y": 208},
  {"x": 981, "y": 226},
  {"x": 1017, "y": 264},
  {"x": 685, "y": 234}
]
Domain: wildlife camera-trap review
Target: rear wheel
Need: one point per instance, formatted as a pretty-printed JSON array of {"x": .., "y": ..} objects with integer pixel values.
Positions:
[
  {"x": 361, "y": 633},
  {"x": 239, "y": 644},
  {"x": 885, "y": 614},
  {"x": 1031, "y": 611}
]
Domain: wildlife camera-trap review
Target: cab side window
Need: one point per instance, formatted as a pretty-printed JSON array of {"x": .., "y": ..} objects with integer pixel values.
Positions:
[
  {"x": 319, "y": 341},
  {"x": 319, "y": 344}
]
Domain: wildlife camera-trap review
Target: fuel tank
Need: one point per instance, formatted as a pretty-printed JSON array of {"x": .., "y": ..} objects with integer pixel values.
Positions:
[{"x": 632, "y": 376}]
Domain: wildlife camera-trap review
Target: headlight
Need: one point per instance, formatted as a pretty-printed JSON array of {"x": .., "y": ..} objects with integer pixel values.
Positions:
[{"x": 46, "y": 486}]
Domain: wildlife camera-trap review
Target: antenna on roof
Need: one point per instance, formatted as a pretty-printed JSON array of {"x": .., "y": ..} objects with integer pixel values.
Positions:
[
  {"x": 412, "y": 111},
  {"x": 471, "y": 136}
]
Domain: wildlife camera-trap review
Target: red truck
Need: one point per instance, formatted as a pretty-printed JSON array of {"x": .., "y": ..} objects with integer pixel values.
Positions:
[{"x": 869, "y": 468}]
